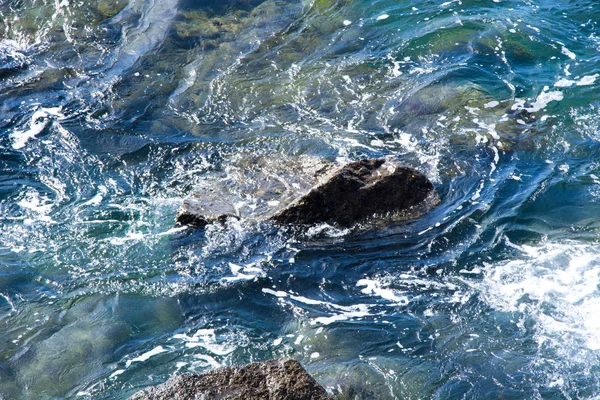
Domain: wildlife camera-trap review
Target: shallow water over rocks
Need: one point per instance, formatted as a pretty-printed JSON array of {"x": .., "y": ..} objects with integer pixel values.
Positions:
[{"x": 111, "y": 113}]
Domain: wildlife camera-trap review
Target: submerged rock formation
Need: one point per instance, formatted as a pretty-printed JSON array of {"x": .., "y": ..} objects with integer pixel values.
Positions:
[
  {"x": 195, "y": 212},
  {"x": 359, "y": 191},
  {"x": 252, "y": 187},
  {"x": 273, "y": 379}
]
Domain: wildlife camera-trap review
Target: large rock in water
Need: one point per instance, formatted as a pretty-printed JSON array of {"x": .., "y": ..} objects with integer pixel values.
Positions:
[
  {"x": 252, "y": 187},
  {"x": 311, "y": 191},
  {"x": 269, "y": 380},
  {"x": 362, "y": 190}
]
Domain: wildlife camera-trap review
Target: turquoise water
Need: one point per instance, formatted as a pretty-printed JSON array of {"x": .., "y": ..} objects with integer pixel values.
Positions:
[{"x": 112, "y": 113}]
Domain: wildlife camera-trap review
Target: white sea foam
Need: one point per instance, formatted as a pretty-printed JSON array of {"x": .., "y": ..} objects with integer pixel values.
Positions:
[
  {"x": 378, "y": 289},
  {"x": 9, "y": 301},
  {"x": 116, "y": 373},
  {"x": 565, "y": 83},
  {"x": 519, "y": 103},
  {"x": 472, "y": 110},
  {"x": 360, "y": 311},
  {"x": 208, "y": 360},
  {"x": 448, "y": 3},
  {"x": 275, "y": 293},
  {"x": 36, "y": 203},
  {"x": 543, "y": 99},
  {"x": 327, "y": 230},
  {"x": 339, "y": 312},
  {"x": 97, "y": 199},
  {"x": 583, "y": 81},
  {"x": 94, "y": 201},
  {"x": 146, "y": 356},
  {"x": 38, "y": 121},
  {"x": 243, "y": 272},
  {"x": 207, "y": 339},
  {"x": 556, "y": 284},
  {"x": 306, "y": 300},
  {"x": 490, "y": 128},
  {"x": 172, "y": 231},
  {"x": 587, "y": 80},
  {"x": 568, "y": 53}
]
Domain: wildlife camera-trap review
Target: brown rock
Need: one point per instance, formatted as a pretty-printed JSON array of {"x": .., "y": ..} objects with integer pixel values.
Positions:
[{"x": 268, "y": 380}]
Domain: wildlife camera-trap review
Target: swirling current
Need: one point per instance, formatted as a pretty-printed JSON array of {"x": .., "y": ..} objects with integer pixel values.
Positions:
[{"x": 113, "y": 111}]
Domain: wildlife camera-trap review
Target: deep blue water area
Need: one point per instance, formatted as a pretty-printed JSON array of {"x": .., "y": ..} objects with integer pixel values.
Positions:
[{"x": 112, "y": 113}]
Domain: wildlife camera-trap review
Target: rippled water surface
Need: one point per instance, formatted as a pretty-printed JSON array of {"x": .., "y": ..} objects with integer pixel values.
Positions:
[{"x": 112, "y": 112}]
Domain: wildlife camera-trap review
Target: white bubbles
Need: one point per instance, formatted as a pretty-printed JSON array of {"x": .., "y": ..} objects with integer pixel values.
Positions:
[
  {"x": 38, "y": 121},
  {"x": 38, "y": 204},
  {"x": 146, "y": 356},
  {"x": 568, "y": 53},
  {"x": 335, "y": 312},
  {"x": 541, "y": 102},
  {"x": 564, "y": 83},
  {"x": 244, "y": 272},
  {"x": 556, "y": 284},
  {"x": 208, "y": 340},
  {"x": 583, "y": 81},
  {"x": 380, "y": 289}
]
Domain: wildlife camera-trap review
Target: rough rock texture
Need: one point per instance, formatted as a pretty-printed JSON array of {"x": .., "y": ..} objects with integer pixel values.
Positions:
[
  {"x": 269, "y": 380},
  {"x": 310, "y": 192},
  {"x": 361, "y": 190}
]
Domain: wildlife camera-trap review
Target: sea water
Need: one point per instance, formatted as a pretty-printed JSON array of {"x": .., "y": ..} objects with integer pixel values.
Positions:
[{"x": 112, "y": 112}]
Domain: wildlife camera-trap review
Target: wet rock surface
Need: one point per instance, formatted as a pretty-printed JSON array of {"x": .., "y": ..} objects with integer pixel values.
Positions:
[
  {"x": 340, "y": 196},
  {"x": 361, "y": 190},
  {"x": 273, "y": 379},
  {"x": 252, "y": 188}
]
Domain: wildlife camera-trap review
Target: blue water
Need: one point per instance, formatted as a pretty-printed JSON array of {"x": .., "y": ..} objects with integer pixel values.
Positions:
[{"x": 112, "y": 113}]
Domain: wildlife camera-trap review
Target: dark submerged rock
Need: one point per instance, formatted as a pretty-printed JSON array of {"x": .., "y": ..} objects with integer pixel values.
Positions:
[
  {"x": 11, "y": 61},
  {"x": 194, "y": 212},
  {"x": 361, "y": 190},
  {"x": 253, "y": 187},
  {"x": 273, "y": 379}
]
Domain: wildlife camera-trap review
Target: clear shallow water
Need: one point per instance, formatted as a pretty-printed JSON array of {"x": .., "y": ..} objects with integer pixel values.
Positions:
[{"x": 111, "y": 114}]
